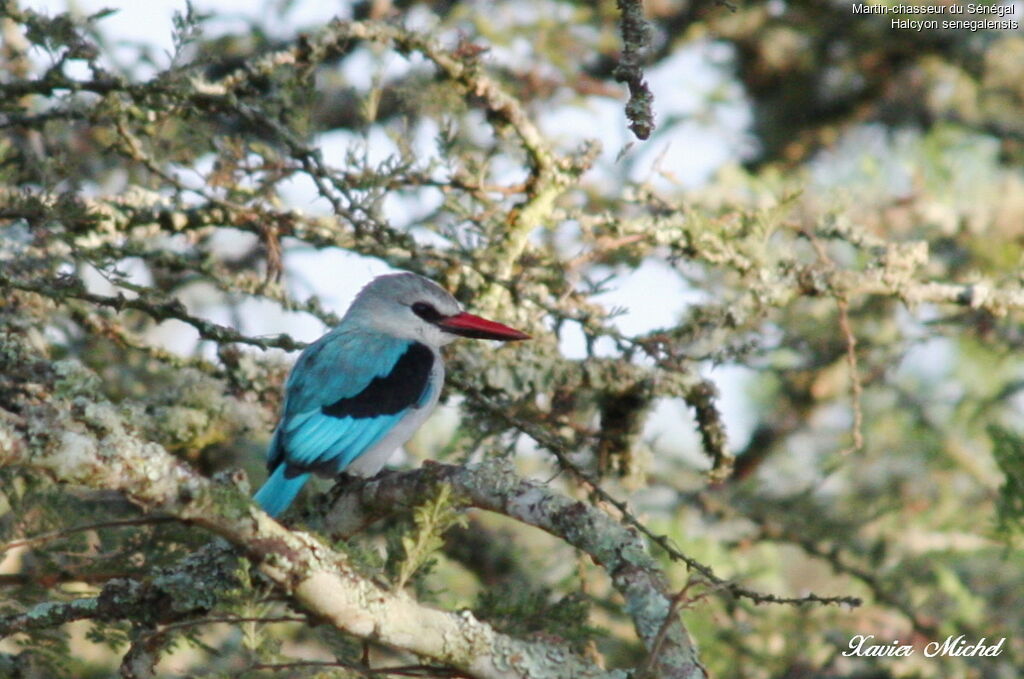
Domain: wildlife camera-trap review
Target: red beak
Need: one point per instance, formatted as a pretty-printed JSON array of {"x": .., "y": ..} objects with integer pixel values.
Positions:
[{"x": 468, "y": 325}]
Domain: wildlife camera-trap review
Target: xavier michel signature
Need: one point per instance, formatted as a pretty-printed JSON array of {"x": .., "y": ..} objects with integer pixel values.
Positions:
[{"x": 862, "y": 645}]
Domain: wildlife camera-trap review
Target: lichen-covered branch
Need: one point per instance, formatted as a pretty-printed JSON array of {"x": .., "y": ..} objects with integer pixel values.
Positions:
[
  {"x": 495, "y": 487},
  {"x": 560, "y": 449},
  {"x": 166, "y": 595},
  {"x": 550, "y": 175},
  {"x": 159, "y": 310},
  {"x": 82, "y": 441},
  {"x": 49, "y": 614},
  {"x": 636, "y": 41}
]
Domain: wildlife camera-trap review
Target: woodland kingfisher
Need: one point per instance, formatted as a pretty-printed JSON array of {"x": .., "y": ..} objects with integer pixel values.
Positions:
[{"x": 360, "y": 391}]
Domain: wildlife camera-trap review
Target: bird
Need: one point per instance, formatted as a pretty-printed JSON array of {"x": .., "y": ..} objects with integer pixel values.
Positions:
[{"x": 362, "y": 390}]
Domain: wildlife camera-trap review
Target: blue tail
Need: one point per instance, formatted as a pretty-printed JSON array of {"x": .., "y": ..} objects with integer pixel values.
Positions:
[{"x": 279, "y": 491}]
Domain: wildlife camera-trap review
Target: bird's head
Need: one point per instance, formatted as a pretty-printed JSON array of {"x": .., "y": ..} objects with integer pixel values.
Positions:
[{"x": 413, "y": 307}]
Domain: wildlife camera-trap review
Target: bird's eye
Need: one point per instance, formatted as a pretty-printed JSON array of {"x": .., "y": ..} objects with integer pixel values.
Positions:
[{"x": 427, "y": 312}]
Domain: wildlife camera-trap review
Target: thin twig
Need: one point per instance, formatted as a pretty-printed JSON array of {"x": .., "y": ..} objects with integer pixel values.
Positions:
[
  {"x": 856, "y": 388},
  {"x": 53, "y": 535}
]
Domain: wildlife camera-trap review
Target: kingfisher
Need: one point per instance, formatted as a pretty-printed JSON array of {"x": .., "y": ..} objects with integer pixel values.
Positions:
[{"x": 360, "y": 391}]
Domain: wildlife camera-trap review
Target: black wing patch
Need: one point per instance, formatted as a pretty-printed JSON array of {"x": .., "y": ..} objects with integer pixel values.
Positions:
[{"x": 399, "y": 389}]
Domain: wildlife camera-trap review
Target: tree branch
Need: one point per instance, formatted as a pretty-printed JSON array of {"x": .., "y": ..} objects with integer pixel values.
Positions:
[
  {"x": 87, "y": 441},
  {"x": 495, "y": 487},
  {"x": 49, "y": 614},
  {"x": 636, "y": 41}
]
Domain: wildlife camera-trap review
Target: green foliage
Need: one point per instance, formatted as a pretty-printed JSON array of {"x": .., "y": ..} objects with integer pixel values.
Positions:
[
  {"x": 1008, "y": 448},
  {"x": 50, "y": 651},
  {"x": 425, "y": 537},
  {"x": 523, "y": 611}
]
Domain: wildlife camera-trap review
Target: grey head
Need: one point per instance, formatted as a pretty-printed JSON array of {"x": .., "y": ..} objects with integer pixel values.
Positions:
[{"x": 412, "y": 307}]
